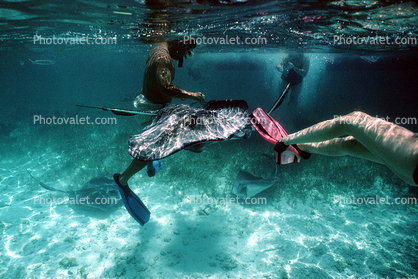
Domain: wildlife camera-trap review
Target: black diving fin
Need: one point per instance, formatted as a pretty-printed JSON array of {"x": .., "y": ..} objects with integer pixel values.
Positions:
[
  {"x": 279, "y": 101},
  {"x": 123, "y": 112}
]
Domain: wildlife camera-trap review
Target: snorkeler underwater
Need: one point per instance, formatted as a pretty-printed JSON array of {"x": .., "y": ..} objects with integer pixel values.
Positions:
[{"x": 209, "y": 139}]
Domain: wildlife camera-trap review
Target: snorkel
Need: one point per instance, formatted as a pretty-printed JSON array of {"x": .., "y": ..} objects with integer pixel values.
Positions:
[
  {"x": 180, "y": 49},
  {"x": 187, "y": 55}
]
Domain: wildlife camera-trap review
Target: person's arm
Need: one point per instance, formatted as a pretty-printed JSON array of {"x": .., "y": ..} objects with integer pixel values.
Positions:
[
  {"x": 280, "y": 65},
  {"x": 168, "y": 88},
  {"x": 303, "y": 71}
]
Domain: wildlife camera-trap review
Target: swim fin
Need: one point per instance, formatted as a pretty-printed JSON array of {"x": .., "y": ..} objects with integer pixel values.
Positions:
[
  {"x": 132, "y": 202},
  {"x": 279, "y": 101},
  {"x": 271, "y": 130},
  {"x": 153, "y": 168},
  {"x": 280, "y": 147}
]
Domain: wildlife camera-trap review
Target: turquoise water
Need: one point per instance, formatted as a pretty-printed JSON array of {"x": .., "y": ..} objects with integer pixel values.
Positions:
[{"x": 325, "y": 217}]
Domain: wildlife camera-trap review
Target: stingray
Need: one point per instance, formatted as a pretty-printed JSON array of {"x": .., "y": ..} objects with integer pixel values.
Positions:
[
  {"x": 100, "y": 193},
  {"x": 178, "y": 127},
  {"x": 247, "y": 185}
]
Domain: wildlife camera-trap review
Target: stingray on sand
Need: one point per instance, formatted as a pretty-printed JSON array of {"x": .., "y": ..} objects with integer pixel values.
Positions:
[
  {"x": 100, "y": 192},
  {"x": 247, "y": 185}
]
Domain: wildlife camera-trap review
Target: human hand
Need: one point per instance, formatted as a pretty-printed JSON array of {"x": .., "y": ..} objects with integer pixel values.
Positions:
[
  {"x": 199, "y": 97},
  {"x": 289, "y": 66}
]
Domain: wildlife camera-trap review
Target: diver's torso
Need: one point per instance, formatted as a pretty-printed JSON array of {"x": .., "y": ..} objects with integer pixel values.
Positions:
[
  {"x": 151, "y": 88},
  {"x": 296, "y": 59}
]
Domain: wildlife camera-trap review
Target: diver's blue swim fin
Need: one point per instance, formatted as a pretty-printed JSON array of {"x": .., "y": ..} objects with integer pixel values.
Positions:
[
  {"x": 153, "y": 168},
  {"x": 132, "y": 202}
]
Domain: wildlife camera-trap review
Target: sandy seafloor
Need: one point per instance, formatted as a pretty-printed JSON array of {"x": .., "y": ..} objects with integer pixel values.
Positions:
[{"x": 300, "y": 233}]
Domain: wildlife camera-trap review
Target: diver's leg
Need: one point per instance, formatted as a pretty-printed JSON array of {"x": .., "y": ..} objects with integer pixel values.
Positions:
[
  {"x": 391, "y": 144},
  {"x": 396, "y": 146},
  {"x": 340, "y": 147},
  {"x": 352, "y": 124},
  {"x": 134, "y": 167},
  {"x": 322, "y": 131},
  {"x": 150, "y": 166}
]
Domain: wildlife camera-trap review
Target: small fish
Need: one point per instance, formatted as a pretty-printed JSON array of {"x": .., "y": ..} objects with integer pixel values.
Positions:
[{"x": 43, "y": 62}]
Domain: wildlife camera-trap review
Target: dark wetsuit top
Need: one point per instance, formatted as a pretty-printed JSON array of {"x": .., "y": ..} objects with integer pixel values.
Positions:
[
  {"x": 292, "y": 77},
  {"x": 159, "y": 73}
]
